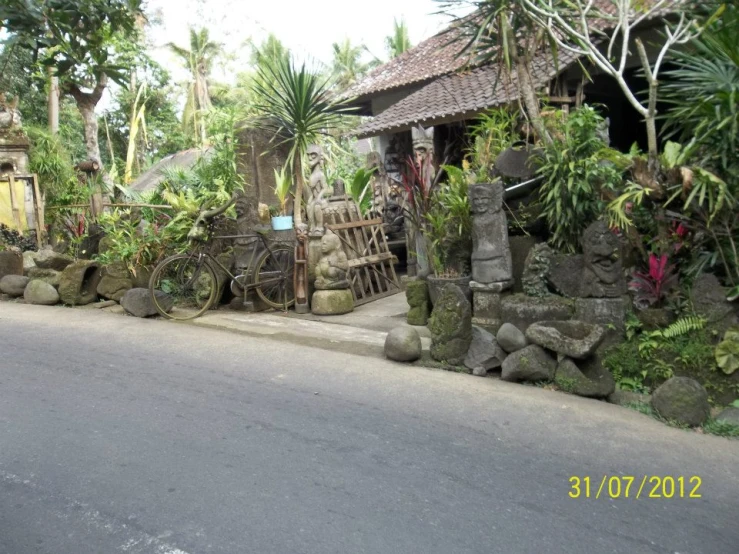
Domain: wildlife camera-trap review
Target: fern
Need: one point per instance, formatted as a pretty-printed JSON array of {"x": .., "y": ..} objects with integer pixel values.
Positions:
[{"x": 682, "y": 326}]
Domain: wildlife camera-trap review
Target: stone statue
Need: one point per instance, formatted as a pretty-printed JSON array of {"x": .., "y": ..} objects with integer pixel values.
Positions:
[
  {"x": 319, "y": 191},
  {"x": 602, "y": 269},
  {"x": 491, "y": 252},
  {"x": 536, "y": 270},
  {"x": 10, "y": 117},
  {"x": 333, "y": 266}
]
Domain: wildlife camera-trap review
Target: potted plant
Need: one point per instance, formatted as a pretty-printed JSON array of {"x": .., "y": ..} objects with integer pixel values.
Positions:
[
  {"x": 283, "y": 184},
  {"x": 448, "y": 230}
]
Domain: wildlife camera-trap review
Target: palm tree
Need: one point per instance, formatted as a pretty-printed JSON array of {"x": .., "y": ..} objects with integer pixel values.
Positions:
[
  {"x": 399, "y": 41},
  {"x": 298, "y": 106},
  {"x": 198, "y": 60},
  {"x": 347, "y": 65}
]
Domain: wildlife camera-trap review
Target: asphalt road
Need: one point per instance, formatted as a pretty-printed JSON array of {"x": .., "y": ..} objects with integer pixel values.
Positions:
[{"x": 123, "y": 435}]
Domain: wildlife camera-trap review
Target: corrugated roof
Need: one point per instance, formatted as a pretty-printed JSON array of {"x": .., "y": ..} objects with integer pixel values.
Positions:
[
  {"x": 151, "y": 178},
  {"x": 461, "y": 95}
]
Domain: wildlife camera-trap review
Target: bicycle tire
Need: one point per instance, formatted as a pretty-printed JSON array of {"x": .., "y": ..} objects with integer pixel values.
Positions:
[
  {"x": 190, "y": 284},
  {"x": 279, "y": 295}
]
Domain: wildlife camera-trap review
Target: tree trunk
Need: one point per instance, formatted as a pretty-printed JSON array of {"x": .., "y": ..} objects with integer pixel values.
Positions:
[
  {"x": 53, "y": 103},
  {"x": 530, "y": 101},
  {"x": 86, "y": 102}
]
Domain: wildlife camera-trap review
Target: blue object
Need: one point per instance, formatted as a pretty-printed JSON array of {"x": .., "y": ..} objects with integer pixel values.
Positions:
[{"x": 282, "y": 222}]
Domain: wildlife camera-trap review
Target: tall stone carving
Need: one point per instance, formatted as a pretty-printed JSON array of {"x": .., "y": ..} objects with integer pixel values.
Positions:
[
  {"x": 602, "y": 275},
  {"x": 333, "y": 295},
  {"x": 491, "y": 252},
  {"x": 319, "y": 191},
  {"x": 301, "y": 270}
]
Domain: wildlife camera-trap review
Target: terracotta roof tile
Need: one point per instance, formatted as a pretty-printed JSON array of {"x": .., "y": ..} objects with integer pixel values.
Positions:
[{"x": 460, "y": 95}]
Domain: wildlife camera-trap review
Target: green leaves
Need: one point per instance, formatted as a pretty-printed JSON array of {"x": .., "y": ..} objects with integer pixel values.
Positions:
[{"x": 576, "y": 176}]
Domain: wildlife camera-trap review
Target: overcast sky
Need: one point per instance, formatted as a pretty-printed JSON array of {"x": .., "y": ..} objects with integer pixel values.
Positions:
[{"x": 307, "y": 28}]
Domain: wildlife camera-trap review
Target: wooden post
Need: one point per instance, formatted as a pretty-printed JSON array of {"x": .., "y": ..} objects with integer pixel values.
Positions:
[
  {"x": 38, "y": 204},
  {"x": 14, "y": 204}
]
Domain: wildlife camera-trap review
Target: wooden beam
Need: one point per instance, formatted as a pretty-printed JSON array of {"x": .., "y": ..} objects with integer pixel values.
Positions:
[{"x": 38, "y": 205}]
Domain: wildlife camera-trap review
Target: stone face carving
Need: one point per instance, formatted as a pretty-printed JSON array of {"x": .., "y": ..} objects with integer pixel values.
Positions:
[
  {"x": 333, "y": 266},
  {"x": 491, "y": 253},
  {"x": 319, "y": 191},
  {"x": 602, "y": 275},
  {"x": 451, "y": 326}
]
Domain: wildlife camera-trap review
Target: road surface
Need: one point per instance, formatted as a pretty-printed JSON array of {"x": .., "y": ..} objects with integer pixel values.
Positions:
[{"x": 137, "y": 436}]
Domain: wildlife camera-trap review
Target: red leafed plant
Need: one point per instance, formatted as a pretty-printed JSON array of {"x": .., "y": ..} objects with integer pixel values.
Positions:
[{"x": 651, "y": 288}]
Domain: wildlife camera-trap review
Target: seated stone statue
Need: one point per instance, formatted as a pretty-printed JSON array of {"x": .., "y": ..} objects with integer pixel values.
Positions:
[{"x": 333, "y": 266}]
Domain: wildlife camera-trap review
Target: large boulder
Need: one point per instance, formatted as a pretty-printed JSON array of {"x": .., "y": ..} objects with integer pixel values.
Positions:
[
  {"x": 41, "y": 293},
  {"x": 50, "y": 276},
  {"x": 451, "y": 326},
  {"x": 529, "y": 364},
  {"x": 13, "y": 285},
  {"x": 591, "y": 380},
  {"x": 484, "y": 353},
  {"x": 47, "y": 258},
  {"x": 403, "y": 344},
  {"x": 11, "y": 263},
  {"x": 78, "y": 283},
  {"x": 575, "y": 339},
  {"x": 137, "y": 302},
  {"x": 417, "y": 295},
  {"x": 729, "y": 415},
  {"x": 510, "y": 338},
  {"x": 683, "y": 400},
  {"x": 115, "y": 282},
  {"x": 708, "y": 298}
]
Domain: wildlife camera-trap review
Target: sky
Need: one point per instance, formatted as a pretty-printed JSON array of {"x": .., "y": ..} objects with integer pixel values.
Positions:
[{"x": 307, "y": 28}]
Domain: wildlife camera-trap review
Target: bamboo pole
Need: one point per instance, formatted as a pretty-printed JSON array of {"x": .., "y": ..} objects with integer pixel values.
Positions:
[{"x": 38, "y": 204}]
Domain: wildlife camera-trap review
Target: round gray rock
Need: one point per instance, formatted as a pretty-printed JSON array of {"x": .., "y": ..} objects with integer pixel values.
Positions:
[
  {"x": 137, "y": 302},
  {"x": 729, "y": 415},
  {"x": 47, "y": 258},
  {"x": 510, "y": 338},
  {"x": 13, "y": 285},
  {"x": 682, "y": 399},
  {"x": 403, "y": 344},
  {"x": 529, "y": 364},
  {"x": 39, "y": 292}
]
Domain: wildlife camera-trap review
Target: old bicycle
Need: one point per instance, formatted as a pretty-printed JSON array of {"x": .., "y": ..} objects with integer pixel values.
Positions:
[{"x": 185, "y": 286}]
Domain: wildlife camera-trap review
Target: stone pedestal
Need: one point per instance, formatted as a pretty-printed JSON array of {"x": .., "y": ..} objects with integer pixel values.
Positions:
[
  {"x": 522, "y": 311},
  {"x": 486, "y": 304},
  {"x": 332, "y": 302}
]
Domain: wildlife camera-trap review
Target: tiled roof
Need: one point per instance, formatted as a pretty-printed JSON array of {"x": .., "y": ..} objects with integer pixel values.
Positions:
[
  {"x": 461, "y": 95},
  {"x": 439, "y": 55},
  {"x": 432, "y": 57}
]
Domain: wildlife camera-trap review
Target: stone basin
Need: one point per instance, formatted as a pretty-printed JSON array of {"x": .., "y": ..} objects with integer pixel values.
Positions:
[{"x": 573, "y": 338}]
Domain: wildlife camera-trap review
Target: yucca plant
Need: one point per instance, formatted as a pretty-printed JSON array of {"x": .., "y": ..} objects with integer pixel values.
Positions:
[
  {"x": 283, "y": 184},
  {"x": 298, "y": 106}
]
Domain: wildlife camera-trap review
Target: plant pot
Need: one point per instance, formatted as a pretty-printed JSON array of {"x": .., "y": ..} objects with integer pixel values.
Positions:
[
  {"x": 436, "y": 284},
  {"x": 282, "y": 222}
]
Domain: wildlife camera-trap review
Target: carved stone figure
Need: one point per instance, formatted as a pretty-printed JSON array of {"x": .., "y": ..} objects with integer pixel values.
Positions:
[
  {"x": 536, "y": 270},
  {"x": 10, "y": 117},
  {"x": 491, "y": 252},
  {"x": 602, "y": 269},
  {"x": 333, "y": 265},
  {"x": 301, "y": 270},
  {"x": 319, "y": 191}
]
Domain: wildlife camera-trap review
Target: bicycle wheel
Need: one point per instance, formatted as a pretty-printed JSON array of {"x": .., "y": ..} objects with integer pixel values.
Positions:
[
  {"x": 190, "y": 285},
  {"x": 273, "y": 277}
]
